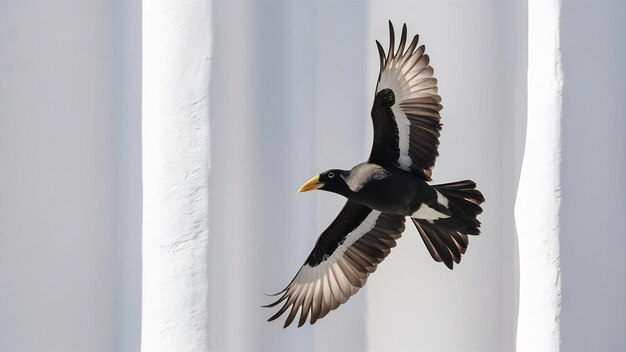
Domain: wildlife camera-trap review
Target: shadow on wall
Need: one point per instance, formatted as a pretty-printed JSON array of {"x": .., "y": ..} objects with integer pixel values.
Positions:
[
  {"x": 594, "y": 192},
  {"x": 70, "y": 171},
  {"x": 279, "y": 78}
]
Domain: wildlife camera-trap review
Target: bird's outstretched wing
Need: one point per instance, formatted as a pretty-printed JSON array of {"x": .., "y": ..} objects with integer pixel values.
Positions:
[
  {"x": 406, "y": 108},
  {"x": 342, "y": 259}
]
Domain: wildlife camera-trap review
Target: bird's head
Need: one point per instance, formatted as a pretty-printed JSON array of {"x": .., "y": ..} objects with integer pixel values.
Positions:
[{"x": 332, "y": 180}]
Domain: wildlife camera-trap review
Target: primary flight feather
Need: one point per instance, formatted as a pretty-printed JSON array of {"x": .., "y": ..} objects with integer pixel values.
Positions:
[{"x": 384, "y": 190}]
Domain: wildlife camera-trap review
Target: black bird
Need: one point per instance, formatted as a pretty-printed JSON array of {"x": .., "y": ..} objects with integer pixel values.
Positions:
[{"x": 384, "y": 190}]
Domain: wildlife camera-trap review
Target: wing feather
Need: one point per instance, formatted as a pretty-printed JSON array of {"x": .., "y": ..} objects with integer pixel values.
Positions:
[
  {"x": 345, "y": 254},
  {"x": 406, "y": 97}
]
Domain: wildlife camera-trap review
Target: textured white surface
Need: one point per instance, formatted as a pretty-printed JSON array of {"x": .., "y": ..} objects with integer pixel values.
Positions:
[
  {"x": 176, "y": 62},
  {"x": 539, "y": 198}
]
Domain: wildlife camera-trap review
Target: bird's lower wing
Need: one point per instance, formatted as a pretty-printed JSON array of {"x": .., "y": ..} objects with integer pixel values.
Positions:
[{"x": 343, "y": 257}]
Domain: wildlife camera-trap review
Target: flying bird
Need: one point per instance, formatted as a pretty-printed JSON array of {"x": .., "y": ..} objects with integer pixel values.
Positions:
[{"x": 390, "y": 186}]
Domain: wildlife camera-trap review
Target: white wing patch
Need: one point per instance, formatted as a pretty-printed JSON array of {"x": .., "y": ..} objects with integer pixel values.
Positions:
[
  {"x": 404, "y": 130},
  {"x": 427, "y": 213},
  {"x": 424, "y": 212},
  {"x": 391, "y": 78},
  {"x": 441, "y": 199}
]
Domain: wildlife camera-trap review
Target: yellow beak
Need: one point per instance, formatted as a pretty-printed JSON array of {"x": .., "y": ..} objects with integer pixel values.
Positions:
[{"x": 311, "y": 184}]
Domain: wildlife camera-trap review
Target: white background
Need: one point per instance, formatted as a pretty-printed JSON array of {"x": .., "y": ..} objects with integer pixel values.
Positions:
[
  {"x": 291, "y": 91},
  {"x": 70, "y": 175}
]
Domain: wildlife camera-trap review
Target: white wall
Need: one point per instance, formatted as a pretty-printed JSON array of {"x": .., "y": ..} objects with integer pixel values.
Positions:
[
  {"x": 70, "y": 195},
  {"x": 291, "y": 94},
  {"x": 593, "y": 211},
  {"x": 538, "y": 198},
  {"x": 285, "y": 88},
  {"x": 277, "y": 52},
  {"x": 415, "y": 303},
  {"x": 176, "y": 66},
  {"x": 291, "y": 80}
]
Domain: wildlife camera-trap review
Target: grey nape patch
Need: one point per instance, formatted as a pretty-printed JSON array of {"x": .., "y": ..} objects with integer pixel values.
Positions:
[{"x": 362, "y": 174}]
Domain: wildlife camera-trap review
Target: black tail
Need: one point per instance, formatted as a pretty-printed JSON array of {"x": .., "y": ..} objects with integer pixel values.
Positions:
[{"x": 446, "y": 238}]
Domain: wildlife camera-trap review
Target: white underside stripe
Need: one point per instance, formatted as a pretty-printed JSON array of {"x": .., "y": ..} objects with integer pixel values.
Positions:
[
  {"x": 309, "y": 273},
  {"x": 393, "y": 78},
  {"x": 404, "y": 130}
]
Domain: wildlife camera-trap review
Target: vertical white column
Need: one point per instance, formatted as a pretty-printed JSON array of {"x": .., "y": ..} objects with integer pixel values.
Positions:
[
  {"x": 538, "y": 199},
  {"x": 176, "y": 62}
]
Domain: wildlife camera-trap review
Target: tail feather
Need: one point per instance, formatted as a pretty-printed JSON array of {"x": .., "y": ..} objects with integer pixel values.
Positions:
[{"x": 447, "y": 238}]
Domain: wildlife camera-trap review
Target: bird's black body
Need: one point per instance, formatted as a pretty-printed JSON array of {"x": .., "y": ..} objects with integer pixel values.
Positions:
[{"x": 386, "y": 189}]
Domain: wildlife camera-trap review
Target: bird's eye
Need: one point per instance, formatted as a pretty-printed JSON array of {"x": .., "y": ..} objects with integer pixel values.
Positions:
[{"x": 331, "y": 174}]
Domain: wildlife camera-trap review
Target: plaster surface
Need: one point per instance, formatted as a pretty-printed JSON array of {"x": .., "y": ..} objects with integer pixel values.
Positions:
[
  {"x": 539, "y": 194},
  {"x": 177, "y": 44}
]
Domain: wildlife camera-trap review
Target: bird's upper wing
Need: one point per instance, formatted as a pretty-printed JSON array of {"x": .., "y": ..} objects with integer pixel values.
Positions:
[
  {"x": 342, "y": 259},
  {"x": 406, "y": 109}
]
